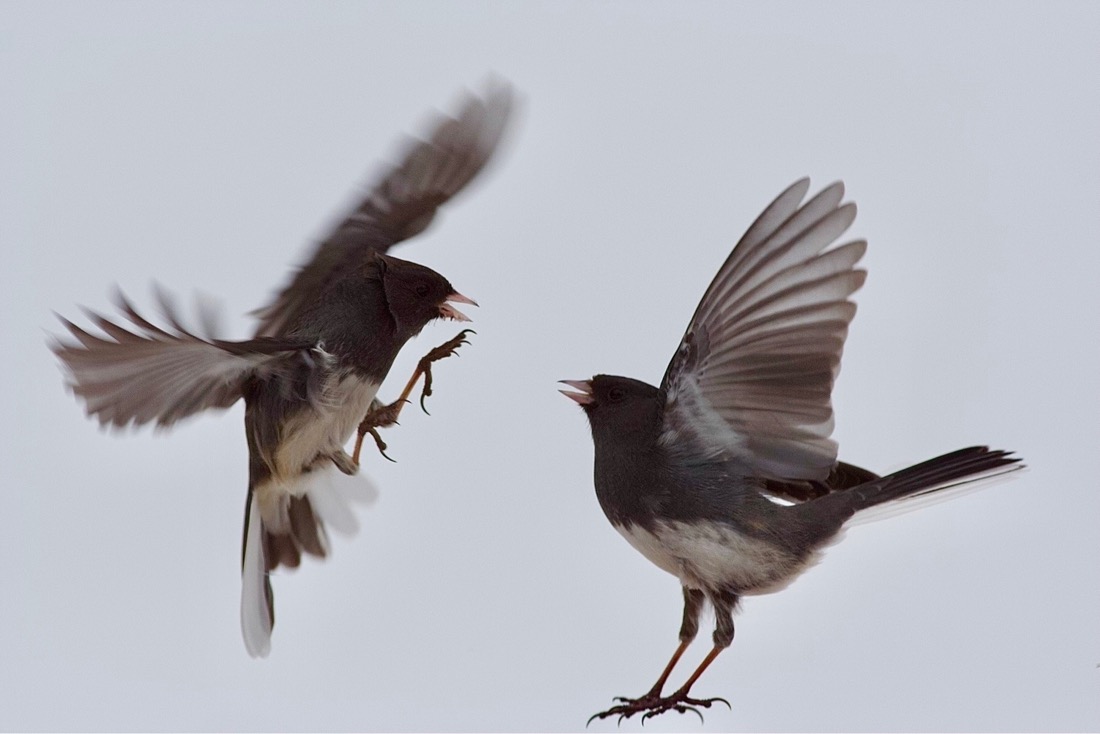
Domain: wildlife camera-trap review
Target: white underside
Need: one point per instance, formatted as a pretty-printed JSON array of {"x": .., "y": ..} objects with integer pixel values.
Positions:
[
  {"x": 331, "y": 493},
  {"x": 709, "y": 555},
  {"x": 323, "y": 431}
]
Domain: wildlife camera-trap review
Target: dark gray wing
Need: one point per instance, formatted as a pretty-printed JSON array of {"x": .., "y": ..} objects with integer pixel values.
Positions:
[
  {"x": 403, "y": 202},
  {"x": 752, "y": 379},
  {"x": 146, "y": 374}
]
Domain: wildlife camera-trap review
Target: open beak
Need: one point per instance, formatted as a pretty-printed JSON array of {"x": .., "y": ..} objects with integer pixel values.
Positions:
[
  {"x": 584, "y": 397},
  {"x": 447, "y": 311}
]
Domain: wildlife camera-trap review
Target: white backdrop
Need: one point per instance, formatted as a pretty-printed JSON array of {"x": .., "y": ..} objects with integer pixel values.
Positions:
[{"x": 205, "y": 145}]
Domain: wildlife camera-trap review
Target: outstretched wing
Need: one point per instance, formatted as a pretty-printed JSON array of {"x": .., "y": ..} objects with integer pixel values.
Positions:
[
  {"x": 403, "y": 202},
  {"x": 752, "y": 379},
  {"x": 142, "y": 373}
]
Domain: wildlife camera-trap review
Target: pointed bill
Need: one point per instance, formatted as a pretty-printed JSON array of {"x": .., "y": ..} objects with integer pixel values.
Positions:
[
  {"x": 447, "y": 311},
  {"x": 584, "y": 397}
]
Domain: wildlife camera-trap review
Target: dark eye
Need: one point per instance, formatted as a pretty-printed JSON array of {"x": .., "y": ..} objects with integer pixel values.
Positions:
[
  {"x": 423, "y": 289},
  {"x": 616, "y": 394}
]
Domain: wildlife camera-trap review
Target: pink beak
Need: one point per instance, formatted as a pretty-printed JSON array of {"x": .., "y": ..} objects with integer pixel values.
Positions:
[
  {"x": 448, "y": 311},
  {"x": 584, "y": 397}
]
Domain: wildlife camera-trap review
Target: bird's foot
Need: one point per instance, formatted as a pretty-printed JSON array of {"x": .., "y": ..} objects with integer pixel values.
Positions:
[
  {"x": 381, "y": 417},
  {"x": 447, "y": 349},
  {"x": 653, "y": 704}
]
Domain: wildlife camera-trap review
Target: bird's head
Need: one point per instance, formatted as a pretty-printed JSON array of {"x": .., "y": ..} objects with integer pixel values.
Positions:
[
  {"x": 616, "y": 404},
  {"x": 416, "y": 294}
]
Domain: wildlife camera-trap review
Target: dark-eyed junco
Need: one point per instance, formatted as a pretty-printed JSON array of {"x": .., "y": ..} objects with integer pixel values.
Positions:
[
  {"x": 726, "y": 476},
  {"x": 322, "y": 348}
]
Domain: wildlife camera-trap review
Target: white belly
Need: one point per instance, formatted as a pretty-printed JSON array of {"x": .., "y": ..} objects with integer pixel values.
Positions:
[
  {"x": 323, "y": 430},
  {"x": 327, "y": 428},
  {"x": 709, "y": 555}
]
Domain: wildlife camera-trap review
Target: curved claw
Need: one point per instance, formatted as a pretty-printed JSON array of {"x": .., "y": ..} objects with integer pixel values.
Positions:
[
  {"x": 600, "y": 715},
  {"x": 381, "y": 444},
  {"x": 706, "y": 702},
  {"x": 650, "y": 706},
  {"x": 447, "y": 349}
]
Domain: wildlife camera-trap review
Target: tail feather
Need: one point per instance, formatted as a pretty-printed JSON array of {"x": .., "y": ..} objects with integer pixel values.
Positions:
[
  {"x": 950, "y": 470},
  {"x": 306, "y": 528},
  {"x": 257, "y": 602},
  {"x": 296, "y": 525}
]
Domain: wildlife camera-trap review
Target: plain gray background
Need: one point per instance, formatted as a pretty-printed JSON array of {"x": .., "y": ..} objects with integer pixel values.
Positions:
[{"x": 205, "y": 145}]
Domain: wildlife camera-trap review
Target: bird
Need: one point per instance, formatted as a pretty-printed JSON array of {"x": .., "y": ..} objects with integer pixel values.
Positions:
[
  {"x": 310, "y": 374},
  {"x": 726, "y": 475}
]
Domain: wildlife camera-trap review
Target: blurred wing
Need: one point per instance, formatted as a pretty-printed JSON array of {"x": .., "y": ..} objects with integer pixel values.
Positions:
[
  {"x": 143, "y": 374},
  {"x": 752, "y": 379},
  {"x": 403, "y": 203}
]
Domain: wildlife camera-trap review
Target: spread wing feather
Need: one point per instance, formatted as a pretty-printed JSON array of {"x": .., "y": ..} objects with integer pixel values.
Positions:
[
  {"x": 752, "y": 379},
  {"x": 402, "y": 203},
  {"x": 143, "y": 373}
]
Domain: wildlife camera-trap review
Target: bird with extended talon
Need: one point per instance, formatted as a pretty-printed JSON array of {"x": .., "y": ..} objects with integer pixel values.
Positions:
[
  {"x": 318, "y": 356},
  {"x": 726, "y": 476},
  {"x": 382, "y": 416}
]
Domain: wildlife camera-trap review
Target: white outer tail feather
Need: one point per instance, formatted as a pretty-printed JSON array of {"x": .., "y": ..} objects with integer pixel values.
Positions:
[
  {"x": 255, "y": 616},
  {"x": 331, "y": 494},
  {"x": 932, "y": 496}
]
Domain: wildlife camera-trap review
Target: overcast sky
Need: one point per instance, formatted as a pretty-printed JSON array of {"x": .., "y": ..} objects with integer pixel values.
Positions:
[{"x": 206, "y": 145}]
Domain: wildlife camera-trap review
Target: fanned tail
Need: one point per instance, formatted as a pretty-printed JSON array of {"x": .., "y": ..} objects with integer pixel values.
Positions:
[{"x": 322, "y": 497}]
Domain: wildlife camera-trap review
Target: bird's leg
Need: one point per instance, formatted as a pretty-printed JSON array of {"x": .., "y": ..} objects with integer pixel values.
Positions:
[
  {"x": 379, "y": 416},
  {"x": 680, "y": 701},
  {"x": 383, "y": 416},
  {"x": 424, "y": 366},
  {"x": 693, "y": 605}
]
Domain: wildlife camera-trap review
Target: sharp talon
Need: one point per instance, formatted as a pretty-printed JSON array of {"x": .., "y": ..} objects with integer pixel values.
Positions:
[
  {"x": 695, "y": 711},
  {"x": 706, "y": 702},
  {"x": 381, "y": 444}
]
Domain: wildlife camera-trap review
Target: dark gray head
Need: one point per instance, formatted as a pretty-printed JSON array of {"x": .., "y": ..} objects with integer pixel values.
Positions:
[
  {"x": 415, "y": 295},
  {"x": 619, "y": 406}
]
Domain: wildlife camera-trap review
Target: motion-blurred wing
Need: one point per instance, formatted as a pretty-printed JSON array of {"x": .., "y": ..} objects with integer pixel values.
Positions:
[
  {"x": 144, "y": 374},
  {"x": 753, "y": 377},
  {"x": 403, "y": 203}
]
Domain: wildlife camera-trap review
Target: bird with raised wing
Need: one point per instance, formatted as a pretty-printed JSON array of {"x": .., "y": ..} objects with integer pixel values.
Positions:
[
  {"x": 310, "y": 375},
  {"x": 726, "y": 475}
]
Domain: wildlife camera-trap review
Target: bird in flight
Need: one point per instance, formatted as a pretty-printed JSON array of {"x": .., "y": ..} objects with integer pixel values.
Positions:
[
  {"x": 310, "y": 374},
  {"x": 726, "y": 475}
]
